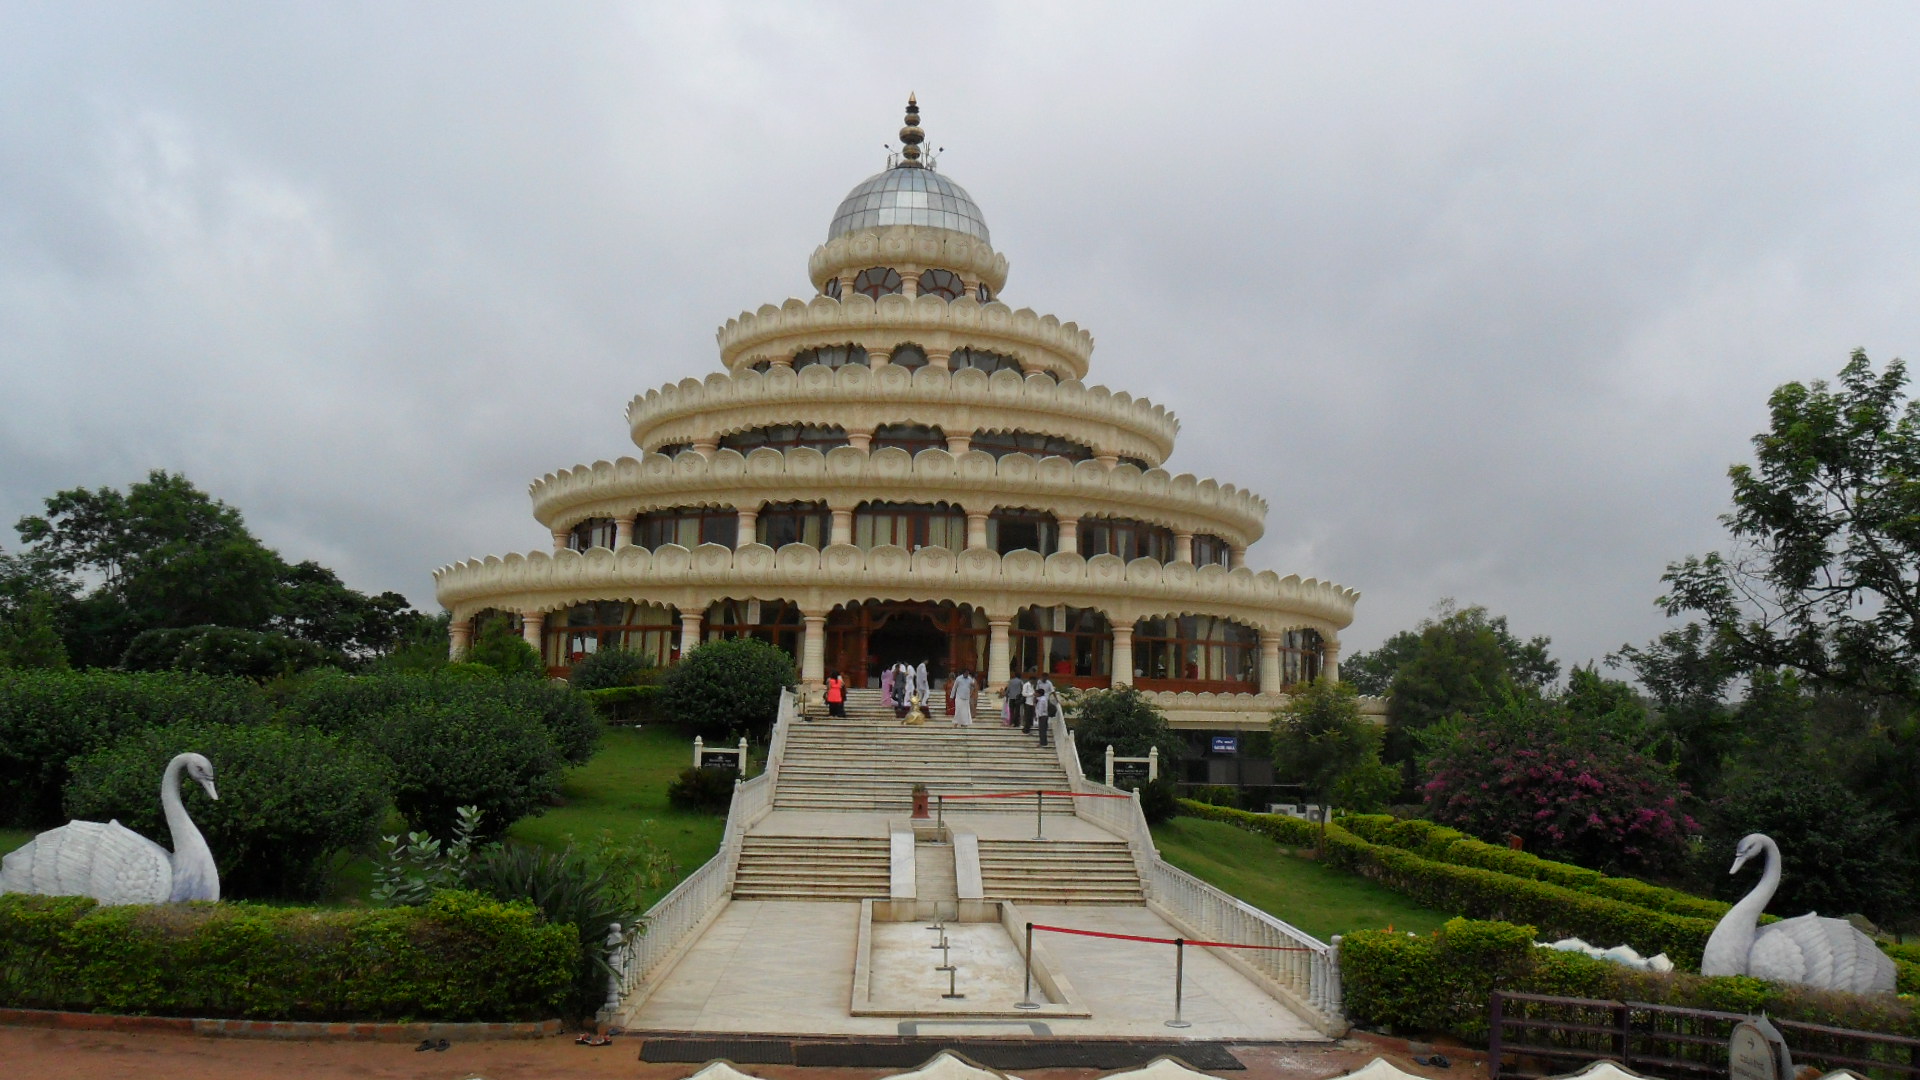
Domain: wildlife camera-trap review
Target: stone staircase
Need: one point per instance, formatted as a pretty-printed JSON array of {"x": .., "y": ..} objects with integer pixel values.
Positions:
[
  {"x": 869, "y": 762},
  {"x": 1059, "y": 871},
  {"x": 812, "y": 868}
]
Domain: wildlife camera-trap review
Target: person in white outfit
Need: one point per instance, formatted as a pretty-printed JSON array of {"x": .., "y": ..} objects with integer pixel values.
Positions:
[
  {"x": 920, "y": 684},
  {"x": 963, "y": 699}
]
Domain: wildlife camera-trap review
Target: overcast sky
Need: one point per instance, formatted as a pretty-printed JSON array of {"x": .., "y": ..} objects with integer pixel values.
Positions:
[{"x": 1483, "y": 299}]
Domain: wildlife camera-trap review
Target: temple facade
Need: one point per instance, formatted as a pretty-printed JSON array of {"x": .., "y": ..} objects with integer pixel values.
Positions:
[{"x": 903, "y": 467}]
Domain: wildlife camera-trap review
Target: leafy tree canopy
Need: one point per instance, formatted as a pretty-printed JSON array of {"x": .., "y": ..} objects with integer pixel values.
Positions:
[
  {"x": 728, "y": 688},
  {"x": 1528, "y": 662},
  {"x": 1322, "y": 743},
  {"x": 1125, "y": 719}
]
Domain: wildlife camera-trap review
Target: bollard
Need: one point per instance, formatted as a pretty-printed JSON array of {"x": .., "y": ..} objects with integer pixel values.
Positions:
[
  {"x": 743, "y": 756},
  {"x": 946, "y": 962},
  {"x": 1039, "y": 815},
  {"x": 1179, "y": 977},
  {"x": 940, "y": 815},
  {"x": 1153, "y": 764},
  {"x": 1026, "y": 997},
  {"x": 952, "y": 993}
]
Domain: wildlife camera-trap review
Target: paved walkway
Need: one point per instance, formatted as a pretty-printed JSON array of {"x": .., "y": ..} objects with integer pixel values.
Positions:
[{"x": 787, "y": 968}]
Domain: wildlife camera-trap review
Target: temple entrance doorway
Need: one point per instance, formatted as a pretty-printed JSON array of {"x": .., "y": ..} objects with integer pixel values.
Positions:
[{"x": 864, "y": 638}]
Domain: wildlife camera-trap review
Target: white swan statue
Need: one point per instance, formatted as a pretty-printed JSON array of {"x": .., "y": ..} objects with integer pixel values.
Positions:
[
  {"x": 1825, "y": 953},
  {"x": 115, "y": 865}
]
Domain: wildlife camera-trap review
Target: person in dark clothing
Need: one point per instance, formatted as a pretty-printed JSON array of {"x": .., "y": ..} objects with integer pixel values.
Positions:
[{"x": 1015, "y": 688}]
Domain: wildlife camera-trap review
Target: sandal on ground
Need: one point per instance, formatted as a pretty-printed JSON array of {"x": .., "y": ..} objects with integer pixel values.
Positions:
[{"x": 425, "y": 1044}]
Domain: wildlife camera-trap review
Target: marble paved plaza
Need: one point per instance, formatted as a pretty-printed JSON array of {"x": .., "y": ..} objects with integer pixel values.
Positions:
[{"x": 787, "y": 968}]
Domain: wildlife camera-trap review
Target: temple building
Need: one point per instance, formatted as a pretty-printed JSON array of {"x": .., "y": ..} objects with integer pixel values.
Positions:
[{"x": 903, "y": 467}]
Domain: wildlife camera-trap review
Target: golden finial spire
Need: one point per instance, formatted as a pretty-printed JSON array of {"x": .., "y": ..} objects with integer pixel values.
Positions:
[{"x": 911, "y": 137}]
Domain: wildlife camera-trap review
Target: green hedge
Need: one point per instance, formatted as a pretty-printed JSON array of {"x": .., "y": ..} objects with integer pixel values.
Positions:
[
  {"x": 1486, "y": 894},
  {"x": 625, "y": 704},
  {"x": 1441, "y": 983},
  {"x": 461, "y": 956},
  {"x": 1440, "y": 843}
]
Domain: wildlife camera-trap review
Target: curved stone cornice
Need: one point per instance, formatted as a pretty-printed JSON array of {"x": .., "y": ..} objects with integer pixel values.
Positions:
[
  {"x": 819, "y": 578},
  {"x": 845, "y": 476},
  {"x": 857, "y": 398},
  {"x": 908, "y": 248},
  {"x": 1041, "y": 342}
]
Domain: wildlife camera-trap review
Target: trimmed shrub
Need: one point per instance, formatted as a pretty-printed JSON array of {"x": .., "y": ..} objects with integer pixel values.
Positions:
[
  {"x": 703, "y": 789},
  {"x": 443, "y": 756},
  {"x": 462, "y": 956},
  {"x": 49, "y": 717},
  {"x": 1485, "y": 894},
  {"x": 288, "y": 800},
  {"x": 1440, "y": 983},
  {"x": 1158, "y": 802},
  {"x": 498, "y": 647},
  {"x": 625, "y": 704},
  {"x": 612, "y": 667},
  {"x": 571, "y": 890},
  {"x": 357, "y": 705},
  {"x": 225, "y": 650},
  {"x": 725, "y": 689}
]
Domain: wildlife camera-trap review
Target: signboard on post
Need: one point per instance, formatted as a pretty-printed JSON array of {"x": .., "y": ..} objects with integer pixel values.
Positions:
[
  {"x": 1756, "y": 1051},
  {"x": 1129, "y": 772},
  {"x": 1226, "y": 744},
  {"x": 720, "y": 759}
]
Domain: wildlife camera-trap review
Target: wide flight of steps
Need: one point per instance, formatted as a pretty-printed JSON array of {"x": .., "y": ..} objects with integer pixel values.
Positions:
[
  {"x": 869, "y": 762},
  {"x": 812, "y": 868},
  {"x": 1059, "y": 872}
]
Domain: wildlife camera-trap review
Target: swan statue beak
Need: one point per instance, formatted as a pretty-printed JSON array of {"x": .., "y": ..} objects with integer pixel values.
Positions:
[
  {"x": 1739, "y": 861},
  {"x": 211, "y": 794}
]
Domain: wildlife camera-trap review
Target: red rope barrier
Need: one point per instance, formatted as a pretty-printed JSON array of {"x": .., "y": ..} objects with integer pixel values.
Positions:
[
  {"x": 1170, "y": 941},
  {"x": 1017, "y": 794}
]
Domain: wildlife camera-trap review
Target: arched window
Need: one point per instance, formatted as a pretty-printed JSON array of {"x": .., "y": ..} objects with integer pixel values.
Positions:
[
  {"x": 877, "y": 281},
  {"x": 1211, "y": 550},
  {"x": 1125, "y": 537},
  {"x": 982, "y": 360},
  {"x": 832, "y": 288},
  {"x": 591, "y": 533},
  {"x": 1015, "y": 529},
  {"x": 688, "y": 526},
  {"x": 909, "y": 525},
  {"x": 774, "y": 621},
  {"x": 985, "y": 294},
  {"x": 1138, "y": 463},
  {"x": 833, "y": 356},
  {"x": 786, "y": 523},
  {"x": 909, "y": 356},
  {"x": 1072, "y": 645},
  {"x": 1002, "y": 443},
  {"x": 912, "y": 438},
  {"x": 578, "y": 632},
  {"x": 673, "y": 449},
  {"x": 1201, "y": 653},
  {"x": 786, "y": 437},
  {"x": 1300, "y": 657},
  {"x": 944, "y": 284}
]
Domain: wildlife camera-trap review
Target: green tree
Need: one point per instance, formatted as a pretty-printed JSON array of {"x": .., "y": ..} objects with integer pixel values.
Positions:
[
  {"x": 1127, "y": 720},
  {"x": 725, "y": 689},
  {"x": 314, "y": 605},
  {"x": 1320, "y": 741},
  {"x": 30, "y": 635},
  {"x": 501, "y": 649},
  {"x": 1528, "y": 661}
]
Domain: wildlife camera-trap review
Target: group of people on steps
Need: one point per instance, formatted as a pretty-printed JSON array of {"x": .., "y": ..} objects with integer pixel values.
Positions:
[{"x": 1031, "y": 702}]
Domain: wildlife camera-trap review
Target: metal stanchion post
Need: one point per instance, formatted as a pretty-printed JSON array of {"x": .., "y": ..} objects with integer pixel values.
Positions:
[
  {"x": 1179, "y": 979},
  {"x": 940, "y": 814},
  {"x": 1026, "y": 998},
  {"x": 946, "y": 962},
  {"x": 953, "y": 992},
  {"x": 1039, "y": 816}
]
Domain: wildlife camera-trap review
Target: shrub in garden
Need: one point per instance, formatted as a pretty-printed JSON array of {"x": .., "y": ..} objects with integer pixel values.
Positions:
[
  {"x": 225, "y": 650},
  {"x": 612, "y": 667},
  {"x": 357, "y": 705},
  {"x": 703, "y": 789},
  {"x": 289, "y": 799},
  {"x": 1526, "y": 769},
  {"x": 1127, "y": 720},
  {"x": 497, "y": 646},
  {"x": 49, "y": 717},
  {"x": 1838, "y": 854},
  {"x": 461, "y": 956},
  {"x": 445, "y": 755},
  {"x": 625, "y": 704},
  {"x": 571, "y": 889},
  {"x": 725, "y": 689}
]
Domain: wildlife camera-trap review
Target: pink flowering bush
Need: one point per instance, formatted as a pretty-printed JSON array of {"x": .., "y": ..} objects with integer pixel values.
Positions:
[{"x": 1527, "y": 770}]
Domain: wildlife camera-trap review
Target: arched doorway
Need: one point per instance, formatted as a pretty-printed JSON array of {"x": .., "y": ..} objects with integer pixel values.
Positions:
[{"x": 866, "y": 637}]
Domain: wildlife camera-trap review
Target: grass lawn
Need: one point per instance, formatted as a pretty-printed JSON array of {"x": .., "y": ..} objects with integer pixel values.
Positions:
[
  {"x": 13, "y": 838},
  {"x": 624, "y": 791},
  {"x": 1318, "y": 899}
]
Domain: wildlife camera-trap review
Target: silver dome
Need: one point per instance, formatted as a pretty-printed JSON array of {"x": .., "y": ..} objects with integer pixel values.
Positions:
[{"x": 904, "y": 196}]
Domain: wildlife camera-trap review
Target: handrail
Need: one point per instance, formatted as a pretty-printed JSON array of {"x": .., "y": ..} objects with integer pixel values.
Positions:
[
  {"x": 1301, "y": 968},
  {"x": 668, "y": 923}
]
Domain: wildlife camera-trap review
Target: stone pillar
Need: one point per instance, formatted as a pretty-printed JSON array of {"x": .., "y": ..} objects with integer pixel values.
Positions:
[
  {"x": 860, "y": 440},
  {"x": 782, "y": 361},
  {"x": 959, "y": 444},
  {"x": 879, "y": 358},
  {"x": 531, "y": 623},
  {"x": 459, "y": 639},
  {"x": 1236, "y": 556},
  {"x": 1269, "y": 661},
  {"x": 999, "y": 654},
  {"x": 1109, "y": 460},
  {"x": 689, "y": 631},
  {"x": 623, "y": 531},
  {"x": 748, "y": 519},
  {"x": 846, "y": 284},
  {"x": 909, "y": 284},
  {"x": 840, "y": 528},
  {"x": 813, "y": 651},
  {"x": 1330, "y": 660},
  {"x": 706, "y": 447},
  {"x": 560, "y": 538},
  {"x": 937, "y": 359},
  {"x": 1183, "y": 547},
  {"x": 976, "y": 529},
  {"x": 1123, "y": 655},
  {"x": 1070, "y": 535}
]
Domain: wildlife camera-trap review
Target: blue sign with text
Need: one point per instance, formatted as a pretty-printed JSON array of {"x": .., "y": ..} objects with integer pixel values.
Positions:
[{"x": 1226, "y": 744}]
